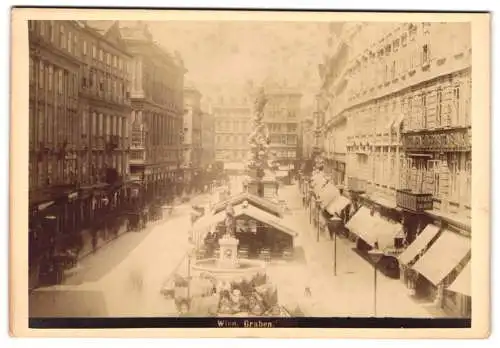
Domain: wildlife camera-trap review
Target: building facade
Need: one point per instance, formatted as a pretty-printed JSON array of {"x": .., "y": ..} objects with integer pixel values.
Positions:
[
  {"x": 156, "y": 94},
  {"x": 233, "y": 125},
  {"x": 207, "y": 139},
  {"x": 192, "y": 148},
  {"x": 282, "y": 118},
  {"x": 78, "y": 132},
  {"x": 397, "y": 97}
]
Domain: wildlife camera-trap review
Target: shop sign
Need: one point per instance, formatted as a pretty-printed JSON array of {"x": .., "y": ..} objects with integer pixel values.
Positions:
[{"x": 456, "y": 140}]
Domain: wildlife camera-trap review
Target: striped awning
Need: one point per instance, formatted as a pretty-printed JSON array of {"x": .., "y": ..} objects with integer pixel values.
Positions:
[
  {"x": 443, "y": 256},
  {"x": 462, "y": 283},
  {"x": 419, "y": 244}
]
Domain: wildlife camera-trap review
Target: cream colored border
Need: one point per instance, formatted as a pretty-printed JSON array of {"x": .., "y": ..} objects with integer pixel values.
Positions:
[{"x": 480, "y": 180}]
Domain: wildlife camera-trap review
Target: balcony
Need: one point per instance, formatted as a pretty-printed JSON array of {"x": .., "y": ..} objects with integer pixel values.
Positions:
[
  {"x": 356, "y": 185},
  {"x": 413, "y": 201},
  {"x": 137, "y": 157},
  {"x": 138, "y": 139}
]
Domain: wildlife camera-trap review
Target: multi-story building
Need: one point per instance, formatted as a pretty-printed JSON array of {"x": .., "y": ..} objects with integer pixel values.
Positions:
[
  {"x": 282, "y": 118},
  {"x": 156, "y": 93},
  {"x": 77, "y": 133},
  {"x": 398, "y": 94},
  {"x": 233, "y": 125},
  {"x": 192, "y": 134},
  {"x": 306, "y": 139},
  {"x": 207, "y": 139}
]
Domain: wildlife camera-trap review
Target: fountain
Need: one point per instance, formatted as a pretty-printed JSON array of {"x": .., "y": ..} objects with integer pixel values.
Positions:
[{"x": 228, "y": 266}]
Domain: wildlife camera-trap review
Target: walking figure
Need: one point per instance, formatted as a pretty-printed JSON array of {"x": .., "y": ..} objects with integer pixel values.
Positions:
[{"x": 307, "y": 292}]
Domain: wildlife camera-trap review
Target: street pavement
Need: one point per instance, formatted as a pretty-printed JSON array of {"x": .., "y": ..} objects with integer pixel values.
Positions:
[
  {"x": 351, "y": 291},
  {"x": 130, "y": 272}
]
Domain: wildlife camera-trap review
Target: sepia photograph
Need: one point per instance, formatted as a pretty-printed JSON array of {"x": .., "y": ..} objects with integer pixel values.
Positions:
[{"x": 251, "y": 171}]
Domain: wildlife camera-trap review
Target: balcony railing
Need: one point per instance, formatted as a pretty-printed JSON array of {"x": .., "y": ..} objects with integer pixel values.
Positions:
[
  {"x": 413, "y": 201},
  {"x": 356, "y": 185},
  {"x": 137, "y": 156},
  {"x": 138, "y": 139}
]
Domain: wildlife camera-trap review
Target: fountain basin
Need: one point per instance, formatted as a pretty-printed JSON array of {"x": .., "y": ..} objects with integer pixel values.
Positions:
[{"x": 243, "y": 269}]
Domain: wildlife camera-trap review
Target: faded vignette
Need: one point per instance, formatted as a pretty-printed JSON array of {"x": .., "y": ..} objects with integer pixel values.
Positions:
[{"x": 480, "y": 24}]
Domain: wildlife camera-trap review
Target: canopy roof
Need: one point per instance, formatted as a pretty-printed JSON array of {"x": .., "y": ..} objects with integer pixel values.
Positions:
[
  {"x": 261, "y": 203},
  {"x": 203, "y": 225}
]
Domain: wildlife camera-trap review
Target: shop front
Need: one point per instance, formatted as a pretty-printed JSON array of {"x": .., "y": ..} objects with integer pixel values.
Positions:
[
  {"x": 458, "y": 297},
  {"x": 374, "y": 232},
  {"x": 440, "y": 265}
]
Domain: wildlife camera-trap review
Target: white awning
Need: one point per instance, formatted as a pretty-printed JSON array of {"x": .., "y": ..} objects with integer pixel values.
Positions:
[
  {"x": 462, "y": 283},
  {"x": 336, "y": 206},
  {"x": 419, "y": 244},
  {"x": 374, "y": 230},
  {"x": 327, "y": 194},
  {"x": 443, "y": 256}
]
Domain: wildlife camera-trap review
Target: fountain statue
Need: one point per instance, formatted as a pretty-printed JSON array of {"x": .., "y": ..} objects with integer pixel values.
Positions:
[{"x": 228, "y": 243}]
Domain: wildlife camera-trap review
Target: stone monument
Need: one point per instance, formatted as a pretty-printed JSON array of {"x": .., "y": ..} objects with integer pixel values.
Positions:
[{"x": 228, "y": 244}]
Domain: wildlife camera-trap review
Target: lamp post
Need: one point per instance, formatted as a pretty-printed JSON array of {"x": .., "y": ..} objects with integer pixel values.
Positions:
[
  {"x": 375, "y": 256},
  {"x": 318, "y": 212},
  {"x": 337, "y": 222}
]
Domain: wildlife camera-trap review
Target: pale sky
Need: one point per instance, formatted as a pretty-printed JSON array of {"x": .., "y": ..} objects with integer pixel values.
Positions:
[{"x": 224, "y": 55}]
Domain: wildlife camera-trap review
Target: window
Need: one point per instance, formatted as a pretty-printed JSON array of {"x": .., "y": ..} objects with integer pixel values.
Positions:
[
  {"x": 51, "y": 77},
  {"x": 425, "y": 54},
  {"x": 94, "y": 52},
  {"x": 101, "y": 55},
  {"x": 31, "y": 25},
  {"x": 108, "y": 59},
  {"x": 62, "y": 37},
  {"x": 75, "y": 45},
  {"x": 42, "y": 28},
  {"x": 424, "y": 111},
  {"x": 50, "y": 30},
  {"x": 41, "y": 73},
  {"x": 439, "y": 107},
  {"x": 60, "y": 81},
  {"x": 84, "y": 47},
  {"x": 456, "y": 105},
  {"x": 114, "y": 62},
  {"x": 120, "y": 64},
  {"x": 100, "y": 124},
  {"x": 70, "y": 42},
  {"x": 85, "y": 122},
  {"x": 393, "y": 70},
  {"x": 32, "y": 72}
]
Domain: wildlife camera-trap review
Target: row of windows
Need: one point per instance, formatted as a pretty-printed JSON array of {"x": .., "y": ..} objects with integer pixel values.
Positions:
[
  {"x": 45, "y": 75},
  {"x": 57, "y": 33},
  {"x": 233, "y": 126},
  {"x": 438, "y": 105},
  {"x": 283, "y": 139},
  {"x": 231, "y": 139},
  {"x": 282, "y": 127},
  {"x": 106, "y": 85}
]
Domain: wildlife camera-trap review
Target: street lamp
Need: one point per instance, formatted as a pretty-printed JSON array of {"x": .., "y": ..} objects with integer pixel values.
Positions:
[
  {"x": 318, "y": 212},
  {"x": 375, "y": 256},
  {"x": 337, "y": 223}
]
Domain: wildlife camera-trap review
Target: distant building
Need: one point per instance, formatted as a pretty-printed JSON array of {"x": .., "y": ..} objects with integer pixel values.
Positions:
[
  {"x": 233, "y": 125},
  {"x": 282, "y": 116},
  {"x": 192, "y": 146},
  {"x": 207, "y": 139}
]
